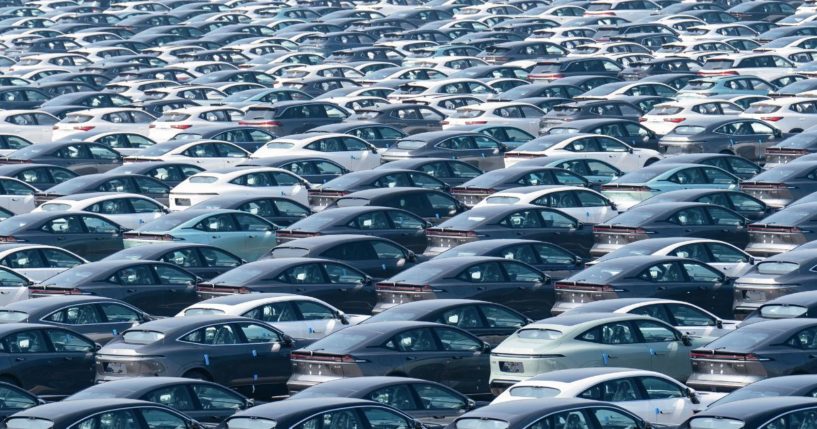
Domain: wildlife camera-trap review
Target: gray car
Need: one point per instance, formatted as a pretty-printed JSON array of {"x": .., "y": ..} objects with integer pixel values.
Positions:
[
  {"x": 774, "y": 277},
  {"x": 245, "y": 354},
  {"x": 79, "y": 157},
  {"x": 476, "y": 149},
  {"x": 737, "y": 136},
  {"x": 293, "y": 117},
  {"x": 409, "y": 118}
]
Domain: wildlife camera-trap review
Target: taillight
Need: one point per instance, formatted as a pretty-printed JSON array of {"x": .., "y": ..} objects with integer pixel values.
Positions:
[
  {"x": 592, "y": 288},
  {"x": 444, "y": 123},
  {"x": 261, "y": 123},
  {"x": 771, "y": 118},
  {"x": 784, "y": 229},
  {"x": 674, "y": 120},
  {"x": 403, "y": 287},
  {"x": 73, "y": 291},
  {"x": 545, "y": 76},
  {"x": 642, "y": 119},
  {"x": 181, "y": 126},
  {"x": 8, "y": 239},
  {"x": 244, "y": 290},
  {"x": 718, "y": 73},
  {"x": 741, "y": 357},
  {"x": 475, "y": 122},
  {"x": 84, "y": 127}
]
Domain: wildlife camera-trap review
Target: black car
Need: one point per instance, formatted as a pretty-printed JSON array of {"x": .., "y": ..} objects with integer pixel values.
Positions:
[
  {"x": 734, "y": 164},
  {"x": 553, "y": 260},
  {"x": 293, "y": 117},
  {"x": 96, "y": 317},
  {"x": 490, "y": 322},
  {"x": 429, "y": 351},
  {"x": 477, "y": 189},
  {"x": 108, "y": 182},
  {"x": 659, "y": 66},
  {"x": 397, "y": 225},
  {"x": 331, "y": 281},
  {"x": 21, "y": 97},
  {"x": 278, "y": 210},
  {"x": 40, "y": 176},
  {"x": 788, "y": 306},
  {"x": 29, "y": 352},
  {"x": 16, "y": 399},
  {"x": 556, "y": 69},
  {"x": 429, "y": 204},
  {"x": 783, "y": 231},
  {"x": 474, "y": 148},
  {"x": 98, "y": 413},
  {"x": 630, "y": 132},
  {"x": 155, "y": 287},
  {"x": 591, "y": 109},
  {"x": 377, "y": 257},
  {"x": 511, "y": 221},
  {"x": 786, "y": 385},
  {"x": 205, "y": 401},
  {"x": 507, "y": 282},
  {"x": 203, "y": 260},
  {"x": 740, "y": 202},
  {"x": 170, "y": 173},
  {"x": 501, "y": 53},
  {"x": 550, "y": 90},
  {"x": 330, "y": 191},
  {"x": 649, "y": 276},
  {"x": 451, "y": 171},
  {"x": 79, "y": 157},
  {"x": 409, "y": 118},
  {"x": 670, "y": 219},
  {"x": 427, "y": 401},
  {"x": 783, "y": 185},
  {"x": 87, "y": 234},
  {"x": 247, "y": 138},
  {"x": 376, "y": 134},
  {"x": 738, "y": 136}
]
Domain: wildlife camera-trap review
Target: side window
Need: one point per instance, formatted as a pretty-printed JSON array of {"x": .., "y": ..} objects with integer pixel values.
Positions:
[
  {"x": 523, "y": 219},
  {"x": 273, "y": 312},
  {"x": 97, "y": 225},
  {"x": 663, "y": 273},
  {"x": 341, "y": 419},
  {"x": 498, "y": 317},
  {"x": 489, "y": 272},
  {"x": 371, "y": 220},
  {"x": 686, "y": 315},
  {"x": 553, "y": 219},
  {"x": 611, "y": 333},
  {"x": 726, "y": 254},
  {"x": 614, "y": 419},
  {"x": 113, "y": 419},
  {"x": 169, "y": 275},
  {"x": 251, "y": 223},
  {"x": 437, "y": 398},
  {"x": 657, "y": 311},
  {"x": 255, "y": 333},
  {"x": 723, "y": 217},
  {"x": 65, "y": 225},
  {"x": 303, "y": 274},
  {"x": 214, "y": 398},
  {"x": 590, "y": 199},
  {"x": 553, "y": 255},
  {"x": 805, "y": 339},
  {"x": 657, "y": 388},
  {"x": 24, "y": 259},
  {"x": 743, "y": 202},
  {"x": 620, "y": 390},
  {"x": 218, "y": 258},
  {"x": 405, "y": 221},
  {"x": 136, "y": 275},
  {"x": 798, "y": 419},
  {"x": 457, "y": 341},
  {"x": 55, "y": 258},
  {"x": 653, "y": 332},
  {"x": 387, "y": 251},
  {"x": 119, "y": 313},
  {"x": 517, "y": 272},
  {"x": 182, "y": 257},
  {"x": 212, "y": 335},
  {"x": 339, "y": 274},
  {"x": 690, "y": 216},
  {"x": 701, "y": 273},
  {"x": 415, "y": 340},
  {"x": 381, "y": 418},
  {"x": 465, "y": 317},
  {"x": 25, "y": 342},
  {"x": 177, "y": 397},
  {"x": 314, "y": 311},
  {"x": 76, "y": 315},
  {"x": 398, "y": 396}
]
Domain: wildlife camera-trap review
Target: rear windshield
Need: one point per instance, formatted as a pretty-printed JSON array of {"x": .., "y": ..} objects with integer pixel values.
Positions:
[
  {"x": 762, "y": 108},
  {"x": 467, "y": 113},
  {"x": 250, "y": 423},
  {"x": 55, "y": 207},
  {"x": 173, "y": 117},
  {"x": 665, "y": 110},
  {"x": 775, "y": 311},
  {"x": 534, "y": 392},
  {"x": 142, "y": 337},
  {"x": 259, "y": 113},
  {"x": 777, "y": 267},
  {"x": 238, "y": 276},
  {"x": 699, "y": 84},
  {"x": 463, "y": 222},
  {"x": 279, "y": 145},
  {"x": 76, "y": 119},
  {"x": 688, "y": 130},
  {"x": 479, "y": 423},
  {"x": 411, "y": 144},
  {"x": 289, "y": 252},
  {"x": 790, "y": 217},
  {"x": 742, "y": 341},
  {"x": 10, "y": 316},
  {"x": 28, "y": 423},
  {"x": 751, "y": 392},
  {"x": 502, "y": 200},
  {"x": 202, "y": 311},
  {"x": 717, "y": 64},
  {"x": 715, "y": 423},
  {"x": 203, "y": 179},
  {"x": 157, "y": 150},
  {"x": 538, "y": 334}
]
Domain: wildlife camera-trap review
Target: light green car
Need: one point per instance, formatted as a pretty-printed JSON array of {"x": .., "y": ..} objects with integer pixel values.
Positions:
[{"x": 591, "y": 340}]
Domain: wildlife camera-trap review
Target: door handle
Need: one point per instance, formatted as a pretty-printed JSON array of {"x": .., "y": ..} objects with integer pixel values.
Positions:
[
  {"x": 68, "y": 358},
  {"x": 410, "y": 358},
  {"x": 19, "y": 359},
  {"x": 456, "y": 357},
  {"x": 612, "y": 357},
  {"x": 131, "y": 290}
]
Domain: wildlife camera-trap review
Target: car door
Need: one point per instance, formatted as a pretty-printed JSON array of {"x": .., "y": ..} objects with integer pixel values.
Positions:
[
  {"x": 27, "y": 356},
  {"x": 420, "y": 355},
  {"x": 694, "y": 321},
  {"x": 726, "y": 226},
  {"x": 178, "y": 397},
  {"x": 17, "y": 196},
  {"x": 730, "y": 260},
  {"x": 102, "y": 237},
  {"x": 406, "y": 229},
  {"x": 390, "y": 258},
  {"x": 178, "y": 289},
  {"x": 616, "y": 344},
  {"x": 214, "y": 403},
  {"x": 624, "y": 392},
  {"x": 556, "y": 262},
  {"x": 269, "y": 366},
  {"x": 667, "y": 352},
  {"x": 138, "y": 286},
  {"x": 74, "y": 355},
  {"x": 258, "y": 235},
  {"x": 30, "y": 263},
  {"x": 466, "y": 364},
  {"x": 69, "y": 233},
  {"x": 221, "y": 231},
  {"x": 353, "y": 292},
  {"x": 693, "y": 222},
  {"x": 709, "y": 289},
  {"x": 318, "y": 319}
]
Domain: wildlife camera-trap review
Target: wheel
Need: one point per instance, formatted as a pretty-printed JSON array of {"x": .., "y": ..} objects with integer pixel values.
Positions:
[{"x": 197, "y": 374}]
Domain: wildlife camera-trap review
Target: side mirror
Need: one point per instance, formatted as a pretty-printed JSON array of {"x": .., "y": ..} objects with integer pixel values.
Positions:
[
  {"x": 418, "y": 424},
  {"x": 472, "y": 404},
  {"x": 692, "y": 395},
  {"x": 486, "y": 347},
  {"x": 342, "y": 317},
  {"x": 411, "y": 257},
  {"x": 288, "y": 342},
  {"x": 97, "y": 347},
  {"x": 686, "y": 340},
  {"x": 719, "y": 324},
  {"x": 249, "y": 403}
]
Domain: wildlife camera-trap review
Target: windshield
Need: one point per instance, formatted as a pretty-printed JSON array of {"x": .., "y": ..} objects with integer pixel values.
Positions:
[
  {"x": 11, "y": 316},
  {"x": 664, "y": 110},
  {"x": 776, "y": 267},
  {"x": 479, "y": 423},
  {"x": 142, "y": 337},
  {"x": 289, "y": 252},
  {"x": 462, "y": 222},
  {"x": 157, "y": 150},
  {"x": 779, "y": 311}
]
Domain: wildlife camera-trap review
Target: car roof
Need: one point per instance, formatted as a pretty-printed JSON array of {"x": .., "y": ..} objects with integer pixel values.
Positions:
[
  {"x": 576, "y": 374},
  {"x": 68, "y": 411},
  {"x": 757, "y": 408}
]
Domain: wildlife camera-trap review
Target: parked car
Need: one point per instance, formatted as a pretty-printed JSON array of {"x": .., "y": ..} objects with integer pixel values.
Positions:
[
  {"x": 102, "y": 412},
  {"x": 37, "y": 262},
  {"x": 203, "y": 260},
  {"x": 476, "y": 149},
  {"x": 737, "y": 136},
  {"x": 87, "y": 235},
  {"x": 797, "y": 304},
  {"x": 773, "y": 277},
  {"x": 741, "y": 202},
  {"x": 281, "y": 211}
]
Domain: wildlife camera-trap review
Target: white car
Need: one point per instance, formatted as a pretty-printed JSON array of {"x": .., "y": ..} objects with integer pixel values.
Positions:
[
  {"x": 16, "y": 196},
  {"x": 653, "y": 396},
  {"x": 789, "y": 114},
  {"x": 32, "y": 125},
  {"x": 447, "y": 104},
  {"x": 711, "y": 32},
  {"x": 299, "y": 316},
  {"x": 446, "y": 64},
  {"x": 526, "y": 117},
  {"x": 350, "y": 152},
  {"x": 300, "y": 73},
  {"x": 666, "y": 116},
  {"x": 36, "y": 261},
  {"x": 605, "y": 148},
  {"x": 765, "y": 65},
  {"x": 460, "y": 86},
  {"x": 266, "y": 181},
  {"x": 135, "y": 90},
  {"x": 186, "y": 120},
  {"x": 617, "y": 89},
  {"x": 207, "y": 154},
  {"x": 203, "y": 95},
  {"x": 402, "y": 73},
  {"x": 584, "y": 204},
  {"x": 115, "y": 119},
  {"x": 128, "y": 210},
  {"x": 71, "y": 62}
]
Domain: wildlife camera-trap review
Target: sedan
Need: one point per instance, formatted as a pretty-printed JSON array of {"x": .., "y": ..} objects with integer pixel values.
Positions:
[
  {"x": 652, "y": 396},
  {"x": 762, "y": 412},
  {"x": 155, "y": 287},
  {"x": 650, "y": 276},
  {"x": 521, "y": 115},
  {"x": 333, "y": 282},
  {"x": 243, "y": 234},
  {"x": 352, "y": 153},
  {"x": 476, "y": 149},
  {"x": 313, "y": 169},
  {"x": 79, "y": 157},
  {"x": 733, "y": 164},
  {"x": 109, "y": 182},
  {"x": 87, "y": 235},
  {"x": 330, "y": 191},
  {"x": 740, "y": 202},
  {"x": 754, "y": 352},
  {"x": 103, "y": 413},
  {"x": 128, "y": 210},
  {"x": 16, "y": 399},
  {"x": 786, "y": 385},
  {"x": 637, "y": 186},
  {"x": 96, "y": 317},
  {"x": 298, "y": 316},
  {"x": 205, "y": 154},
  {"x": 400, "y": 226},
  {"x": 278, "y": 210},
  {"x": 429, "y": 351},
  {"x": 783, "y": 231},
  {"x": 783, "y": 185},
  {"x": 737, "y": 136},
  {"x": 546, "y": 413},
  {"x": 103, "y": 119},
  {"x": 511, "y": 221},
  {"x": 789, "y": 306},
  {"x": 203, "y": 260},
  {"x": 40, "y": 176},
  {"x": 168, "y": 172},
  {"x": 669, "y": 220},
  {"x": 590, "y": 340},
  {"x": 774, "y": 277},
  {"x": 617, "y": 153},
  {"x": 207, "y": 402},
  {"x": 37, "y": 262},
  {"x": 474, "y": 191},
  {"x": 470, "y": 277},
  {"x": 581, "y": 203},
  {"x": 424, "y": 400},
  {"x": 451, "y": 171}
]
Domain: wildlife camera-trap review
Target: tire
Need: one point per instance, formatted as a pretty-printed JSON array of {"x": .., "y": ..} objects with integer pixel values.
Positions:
[{"x": 197, "y": 374}]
